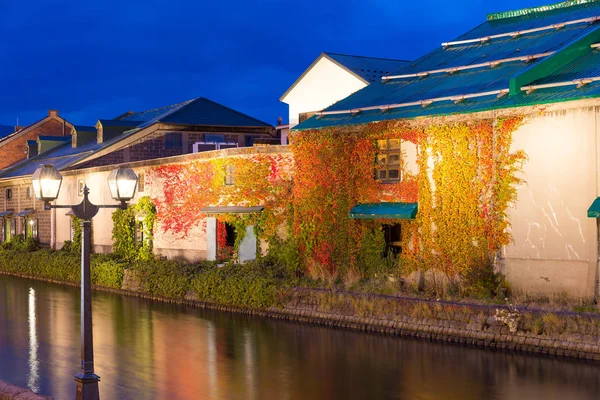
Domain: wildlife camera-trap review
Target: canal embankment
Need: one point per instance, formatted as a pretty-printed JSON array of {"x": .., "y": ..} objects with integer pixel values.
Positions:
[
  {"x": 246, "y": 291},
  {"x": 12, "y": 392}
]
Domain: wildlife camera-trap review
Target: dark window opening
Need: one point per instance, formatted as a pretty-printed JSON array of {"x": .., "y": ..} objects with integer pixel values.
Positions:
[
  {"x": 173, "y": 140},
  {"x": 230, "y": 235},
  {"x": 393, "y": 239},
  {"x": 208, "y": 138},
  {"x": 387, "y": 163},
  {"x": 8, "y": 194}
]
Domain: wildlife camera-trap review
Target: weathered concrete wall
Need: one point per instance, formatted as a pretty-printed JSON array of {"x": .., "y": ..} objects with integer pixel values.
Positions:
[
  {"x": 555, "y": 244},
  {"x": 11, "y": 392}
]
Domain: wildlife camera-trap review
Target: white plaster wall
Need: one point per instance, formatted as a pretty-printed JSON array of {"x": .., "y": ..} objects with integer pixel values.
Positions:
[
  {"x": 555, "y": 244},
  {"x": 409, "y": 155},
  {"x": 326, "y": 83}
]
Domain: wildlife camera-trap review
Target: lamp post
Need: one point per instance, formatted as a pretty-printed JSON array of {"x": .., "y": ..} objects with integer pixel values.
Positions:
[{"x": 122, "y": 183}]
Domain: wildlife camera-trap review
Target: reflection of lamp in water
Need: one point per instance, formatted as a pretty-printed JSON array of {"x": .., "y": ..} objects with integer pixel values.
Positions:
[
  {"x": 122, "y": 183},
  {"x": 32, "y": 380}
]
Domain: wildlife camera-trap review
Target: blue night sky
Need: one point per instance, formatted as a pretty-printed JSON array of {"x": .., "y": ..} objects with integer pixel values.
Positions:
[{"x": 99, "y": 59}]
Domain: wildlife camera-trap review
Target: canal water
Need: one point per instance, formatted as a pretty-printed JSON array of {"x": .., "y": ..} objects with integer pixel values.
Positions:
[{"x": 152, "y": 350}]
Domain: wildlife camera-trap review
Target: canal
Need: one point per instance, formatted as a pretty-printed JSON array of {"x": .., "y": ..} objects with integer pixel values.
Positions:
[{"x": 152, "y": 350}]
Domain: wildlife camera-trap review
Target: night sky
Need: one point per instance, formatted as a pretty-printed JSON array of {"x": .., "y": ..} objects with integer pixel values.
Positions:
[{"x": 99, "y": 59}]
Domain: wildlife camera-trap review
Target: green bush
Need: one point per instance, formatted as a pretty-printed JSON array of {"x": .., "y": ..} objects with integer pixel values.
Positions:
[
  {"x": 166, "y": 278},
  {"x": 62, "y": 266},
  {"x": 254, "y": 284}
]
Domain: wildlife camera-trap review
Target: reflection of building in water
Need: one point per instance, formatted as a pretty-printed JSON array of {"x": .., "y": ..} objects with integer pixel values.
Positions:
[
  {"x": 181, "y": 361},
  {"x": 33, "y": 377},
  {"x": 59, "y": 326}
]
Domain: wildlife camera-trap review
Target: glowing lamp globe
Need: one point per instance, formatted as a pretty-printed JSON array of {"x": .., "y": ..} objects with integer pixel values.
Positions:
[
  {"x": 46, "y": 182},
  {"x": 122, "y": 183}
]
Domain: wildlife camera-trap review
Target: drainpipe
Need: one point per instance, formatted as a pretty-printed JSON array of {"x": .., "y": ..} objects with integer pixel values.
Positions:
[{"x": 53, "y": 228}]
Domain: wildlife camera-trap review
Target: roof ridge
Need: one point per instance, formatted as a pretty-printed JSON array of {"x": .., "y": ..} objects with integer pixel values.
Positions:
[
  {"x": 374, "y": 58},
  {"x": 182, "y": 103},
  {"x": 534, "y": 10},
  {"x": 228, "y": 108}
]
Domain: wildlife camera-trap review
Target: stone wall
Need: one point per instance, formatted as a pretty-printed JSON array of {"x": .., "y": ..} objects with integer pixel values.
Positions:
[{"x": 11, "y": 392}]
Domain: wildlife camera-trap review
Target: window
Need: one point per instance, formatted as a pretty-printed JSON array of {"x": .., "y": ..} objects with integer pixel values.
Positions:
[
  {"x": 208, "y": 138},
  {"x": 304, "y": 116},
  {"x": 80, "y": 186},
  {"x": 229, "y": 175},
  {"x": 139, "y": 232},
  {"x": 8, "y": 194},
  {"x": 30, "y": 228},
  {"x": 388, "y": 160},
  {"x": 140, "y": 182},
  {"x": 173, "y": 140},
  {"x": 28, "y": 192},
  {"x": 33, "y": 224},
  {"x": 393, "y": 238}
]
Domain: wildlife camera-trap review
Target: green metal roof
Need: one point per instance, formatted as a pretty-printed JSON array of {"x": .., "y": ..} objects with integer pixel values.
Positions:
[
  {"x": 594, "y": 210},
  {"x": 561, "y": 55},
  {"x": 385, "y": 211}
]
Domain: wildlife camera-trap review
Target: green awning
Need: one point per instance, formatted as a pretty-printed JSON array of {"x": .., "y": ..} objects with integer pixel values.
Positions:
[
  {"x": 594, "y": 210},
  {"x": 385, "y": 210}
]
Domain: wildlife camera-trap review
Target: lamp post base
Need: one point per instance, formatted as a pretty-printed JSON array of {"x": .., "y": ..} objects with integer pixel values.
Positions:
[{"x": 87, "y": 387}]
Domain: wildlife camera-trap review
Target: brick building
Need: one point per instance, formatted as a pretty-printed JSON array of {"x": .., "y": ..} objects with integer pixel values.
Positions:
[
  {"x": 194, "y": 126},
  {"x": 13, "y": 147}
]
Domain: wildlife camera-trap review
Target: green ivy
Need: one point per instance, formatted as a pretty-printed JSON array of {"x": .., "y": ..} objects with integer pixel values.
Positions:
[
  {"x": 123, "y": 234},
  {"x": 146, "y": 209},
  {"x": 124, "y": 243},
  {"x": 77, "y": 230}
]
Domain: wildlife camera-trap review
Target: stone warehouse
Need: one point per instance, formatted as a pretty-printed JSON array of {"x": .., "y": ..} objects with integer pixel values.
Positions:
[
  {"x": 505, "y": 123},
  {"x": 482, "y": 153},
  {"x": 195, "y": 130}
]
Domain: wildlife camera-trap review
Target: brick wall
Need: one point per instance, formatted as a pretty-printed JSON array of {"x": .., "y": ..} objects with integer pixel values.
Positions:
[
  {"x": 15, "y": 149},
  {"x": 153, "y": 146},
  {"x": 21, "y": 200}
]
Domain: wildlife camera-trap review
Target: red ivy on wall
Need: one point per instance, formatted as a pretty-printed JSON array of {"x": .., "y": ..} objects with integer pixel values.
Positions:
[{"x": 259, "y": 179}]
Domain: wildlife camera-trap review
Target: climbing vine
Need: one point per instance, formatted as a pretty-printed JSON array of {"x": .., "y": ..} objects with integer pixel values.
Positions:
[
  {"x": 258, "y": 180},
  {"x": 124, "y": 230},
  {"x": 464, "y": 184}
]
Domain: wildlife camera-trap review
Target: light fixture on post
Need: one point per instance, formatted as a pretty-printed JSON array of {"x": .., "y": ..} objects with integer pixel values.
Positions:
[{"x": 122, "y": 183}]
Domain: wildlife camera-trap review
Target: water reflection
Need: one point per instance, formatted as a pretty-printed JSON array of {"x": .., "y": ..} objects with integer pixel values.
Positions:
[
  {"x": 148, "y": 350},
  {"x": 32, "y": 380}
]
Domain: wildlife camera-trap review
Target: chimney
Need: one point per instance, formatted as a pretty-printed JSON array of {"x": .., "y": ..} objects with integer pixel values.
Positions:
[
  {"x": 18, "y": 128},
  {"x": 53, "y": 113}
]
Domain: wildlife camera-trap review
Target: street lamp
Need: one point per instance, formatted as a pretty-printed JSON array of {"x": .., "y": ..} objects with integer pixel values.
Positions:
[{"x": 122, "y": 183}]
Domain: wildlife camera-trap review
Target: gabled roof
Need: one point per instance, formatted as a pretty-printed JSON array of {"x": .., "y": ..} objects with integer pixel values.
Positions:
[
  {"x": 367, "y": 69},
  {"x": 513, "y": 59},
  {"x": 200, "y": 111},
  {"x": 154, "y": 113},
  {"x": 6, "y": 130},
  {"x": 119, "y": 123},
  {"x": 14, "y": 135},
  {"x": 84, "y": 128},
  {"x": 370, "y": 69},
  {"x": 54, "y": 138},
  {"x": 203, "y": 111}
]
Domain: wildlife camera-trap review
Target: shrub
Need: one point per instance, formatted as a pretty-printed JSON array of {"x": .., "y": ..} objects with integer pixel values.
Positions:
[
  {"x": 254, "y": 284},
  {"x": 62, "y": 266}
]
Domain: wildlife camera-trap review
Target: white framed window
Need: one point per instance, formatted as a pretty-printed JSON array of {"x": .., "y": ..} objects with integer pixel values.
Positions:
[{"x": 387, "y": 165}]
